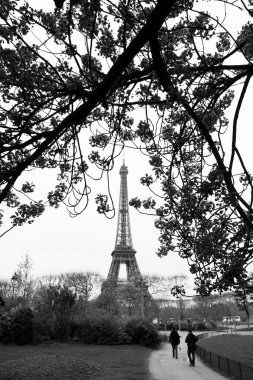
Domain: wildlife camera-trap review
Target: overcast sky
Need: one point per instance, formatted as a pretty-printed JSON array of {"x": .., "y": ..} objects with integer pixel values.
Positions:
[{"x": 58, "y": 243}]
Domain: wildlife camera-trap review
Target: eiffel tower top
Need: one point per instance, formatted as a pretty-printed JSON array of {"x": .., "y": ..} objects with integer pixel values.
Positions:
[{"x": 123, "y": 236}]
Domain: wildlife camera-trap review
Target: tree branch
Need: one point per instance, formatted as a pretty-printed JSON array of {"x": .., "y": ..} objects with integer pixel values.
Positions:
[
  {"x": 153, "y": 24},
  {"x": 237, "y": 111}
]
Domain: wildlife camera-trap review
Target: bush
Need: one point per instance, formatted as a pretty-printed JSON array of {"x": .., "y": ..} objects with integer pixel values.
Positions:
[
  {"x": 86, "y": 331},
  {"x": 203, "y": 326},
  {"x": 73, "y": 329},
  {"x": 196, "y": 325},
  {"x": 184, "y": 326},
  {"x": 41, "y": 327},
  {"x": 111, "y": 332},
  {"x": 164, "y": 338},
  {"x": 102, "y": 331},
  {"x": 143, "y": 332},
  {"x": 17, "y": 326},
  {"x": 23, "y": 326},
  {"x": 54, "y": 310},
  {"x": 6, "y": 331}
]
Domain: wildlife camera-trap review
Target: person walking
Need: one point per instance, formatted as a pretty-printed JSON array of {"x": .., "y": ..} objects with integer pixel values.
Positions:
[
  {"x": 174, "y": 340},
  {"x": 191, "y": 340}
]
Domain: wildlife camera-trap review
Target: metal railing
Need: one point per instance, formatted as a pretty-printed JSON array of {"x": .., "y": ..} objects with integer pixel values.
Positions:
[{"x": 226, "y": 366}]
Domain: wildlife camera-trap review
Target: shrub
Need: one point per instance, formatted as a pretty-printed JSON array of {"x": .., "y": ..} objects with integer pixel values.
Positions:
[
  {"x": 6, "y": 330},
  {"x": 54, "y": 309},
  {"x": 164, "y": 337},
  {"x": 41, "y": 330},
  {"x": 23, "y": 326},
  {"x": 151, "y": 339},
  {"x": 73, "y": 329},
  {"x": 102, "y": 331},
  {"x": 143, "y": 332},
  {"x": 86, "y": 331},
  {"x": 184, "y": 325},
  {"x": 202, "y": 326},
  {"x": 17, "y": 326},
  {"x": 110, "y": 332}
]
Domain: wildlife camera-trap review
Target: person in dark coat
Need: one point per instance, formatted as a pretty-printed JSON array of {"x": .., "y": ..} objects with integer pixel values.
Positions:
[
  {"x": 191, "y": 341},
  {"x": 174, "y": 340}
]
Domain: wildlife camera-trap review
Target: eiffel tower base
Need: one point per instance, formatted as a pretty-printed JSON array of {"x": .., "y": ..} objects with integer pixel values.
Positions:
[
  {"x": 128, "y": 299},
  {"x": 130, "y": 296}
]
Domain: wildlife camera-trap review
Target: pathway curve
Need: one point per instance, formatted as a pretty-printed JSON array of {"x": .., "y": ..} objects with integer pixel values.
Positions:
[{"x": 163, "y": 367}]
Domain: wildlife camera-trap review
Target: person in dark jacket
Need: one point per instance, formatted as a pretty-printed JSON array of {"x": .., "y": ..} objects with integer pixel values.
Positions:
[
  {"x": 174, "y": 340},
  {"x": 191, "y": 340}
]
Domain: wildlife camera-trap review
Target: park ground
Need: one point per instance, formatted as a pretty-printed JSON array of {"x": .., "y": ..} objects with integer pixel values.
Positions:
[
  {"x": 110, "y": 362},
  {"x": 66, "y": 361}
]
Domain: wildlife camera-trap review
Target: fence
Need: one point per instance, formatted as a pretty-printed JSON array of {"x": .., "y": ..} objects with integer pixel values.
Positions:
[{"x": 225, "y": 366}]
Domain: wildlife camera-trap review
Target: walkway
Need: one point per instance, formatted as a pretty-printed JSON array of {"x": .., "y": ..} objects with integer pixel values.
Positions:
[{"x": 163, "y": 367}]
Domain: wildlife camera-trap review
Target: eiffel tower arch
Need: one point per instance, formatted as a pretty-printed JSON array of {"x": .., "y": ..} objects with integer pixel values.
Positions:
[{"x": 125, "y": 254}]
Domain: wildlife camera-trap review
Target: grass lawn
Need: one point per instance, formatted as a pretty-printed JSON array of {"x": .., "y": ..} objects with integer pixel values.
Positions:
[
  {"x": 235, "y": 347},
  {"x": 126, "y": 362}
]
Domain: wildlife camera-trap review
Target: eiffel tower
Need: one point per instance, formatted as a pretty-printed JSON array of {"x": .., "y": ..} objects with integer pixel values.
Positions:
[{"x": 124, "y": 253}]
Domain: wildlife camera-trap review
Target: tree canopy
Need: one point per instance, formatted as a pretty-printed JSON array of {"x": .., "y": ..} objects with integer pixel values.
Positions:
[{"x": 81, "y": 83}]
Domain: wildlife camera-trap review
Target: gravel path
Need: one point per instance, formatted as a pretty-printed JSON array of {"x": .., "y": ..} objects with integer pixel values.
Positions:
[{"x": 163, "y": 367}]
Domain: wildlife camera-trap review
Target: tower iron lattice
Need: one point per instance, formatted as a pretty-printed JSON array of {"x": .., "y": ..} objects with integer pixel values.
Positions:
[{"x": 124, "y": 252}]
